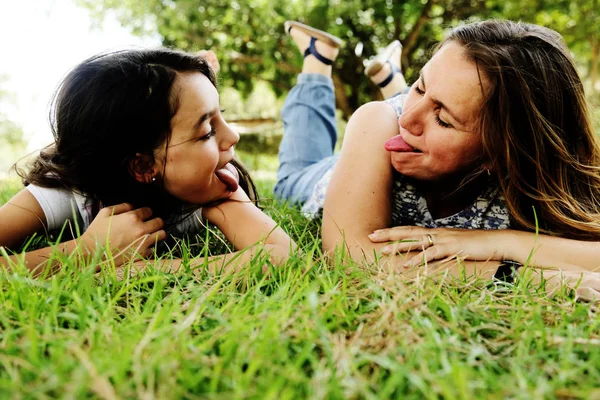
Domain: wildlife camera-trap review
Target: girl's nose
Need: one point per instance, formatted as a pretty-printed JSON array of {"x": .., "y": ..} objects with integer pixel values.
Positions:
[{"x": 229, "y": 138}]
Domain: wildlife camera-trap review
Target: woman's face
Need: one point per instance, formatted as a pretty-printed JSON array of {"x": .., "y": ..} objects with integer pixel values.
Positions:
[
  {"x": 201, "y": 145},
  {"x": 439, "y": 124}
]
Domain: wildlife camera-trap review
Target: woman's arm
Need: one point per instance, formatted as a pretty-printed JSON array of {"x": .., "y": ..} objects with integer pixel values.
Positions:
[
  {"x": 249, "y": 229},
  {"x": 120, "y": 227},
  {"x": 524, "y": 247},
  {"x": 358, "y": 198}
]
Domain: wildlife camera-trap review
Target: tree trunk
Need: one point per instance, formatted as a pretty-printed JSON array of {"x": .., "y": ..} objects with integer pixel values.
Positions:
[
  {"x": 409, "y": 43},
  {"x": 341, "y": 98}
]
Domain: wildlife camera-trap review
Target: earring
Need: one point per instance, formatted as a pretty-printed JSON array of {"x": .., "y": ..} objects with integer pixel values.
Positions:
[
  {"x": 154, "y": 178},
  {"x": 488, "y": 171}
]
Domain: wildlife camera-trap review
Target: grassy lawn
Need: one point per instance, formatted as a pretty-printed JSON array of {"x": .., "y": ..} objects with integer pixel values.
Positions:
[{"x": 307, "y": 330}]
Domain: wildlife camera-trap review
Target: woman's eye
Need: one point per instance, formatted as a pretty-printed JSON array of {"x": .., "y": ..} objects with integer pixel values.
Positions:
[{"x": 442, "y": 123}]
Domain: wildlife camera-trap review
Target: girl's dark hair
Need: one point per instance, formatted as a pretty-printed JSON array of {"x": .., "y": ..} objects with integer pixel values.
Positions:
[
  {"x": 108, "y": 110},
  {"x": 536, "y": 128}
]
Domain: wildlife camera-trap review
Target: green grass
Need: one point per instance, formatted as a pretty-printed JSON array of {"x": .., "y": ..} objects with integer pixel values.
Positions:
[{"x": 306, "y": 330}]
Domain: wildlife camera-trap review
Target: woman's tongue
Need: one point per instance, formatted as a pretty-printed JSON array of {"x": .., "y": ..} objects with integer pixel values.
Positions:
[
  {"x": 397, "y": 144},
  {"x": 229, "y": 176}
]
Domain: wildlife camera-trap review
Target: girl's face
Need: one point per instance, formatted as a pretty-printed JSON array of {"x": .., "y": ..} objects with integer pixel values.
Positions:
[
  {"x": 201, "y": 145},
  {"x": 438, "y": 125}
]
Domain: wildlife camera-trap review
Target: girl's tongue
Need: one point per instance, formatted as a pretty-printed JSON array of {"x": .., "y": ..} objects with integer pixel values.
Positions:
[
  {"x": 397, "y": 144},
  {"x": 229, "y": 176}
]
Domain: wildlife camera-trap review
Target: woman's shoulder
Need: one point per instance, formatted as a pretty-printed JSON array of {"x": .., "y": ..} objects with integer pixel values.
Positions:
[{"x": 397, "y": 103}]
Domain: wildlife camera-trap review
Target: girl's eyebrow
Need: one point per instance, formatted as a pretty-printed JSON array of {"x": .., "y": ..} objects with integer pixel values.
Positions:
[
  {"x": 439, "y": 103},
  {"x": 203, "y": 118}
]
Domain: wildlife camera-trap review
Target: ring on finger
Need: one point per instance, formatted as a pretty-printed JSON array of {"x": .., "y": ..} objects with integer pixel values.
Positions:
[{"x": 430, "y": 239}]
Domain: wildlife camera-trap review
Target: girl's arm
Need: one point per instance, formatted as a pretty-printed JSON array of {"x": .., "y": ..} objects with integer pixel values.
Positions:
[
  {"x": 358, "y": 198},
  {"x": 248, "y": 229},
  {"x": 120, "y": 226}
]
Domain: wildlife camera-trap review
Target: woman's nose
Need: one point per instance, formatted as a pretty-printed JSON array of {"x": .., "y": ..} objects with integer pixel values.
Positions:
[{"x": 411, "y": 118}]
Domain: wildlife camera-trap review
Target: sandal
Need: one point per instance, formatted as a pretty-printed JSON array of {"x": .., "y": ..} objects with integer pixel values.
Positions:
[
  {"x": 384, "y": 58},
  {"x": 315, "y": 34}
]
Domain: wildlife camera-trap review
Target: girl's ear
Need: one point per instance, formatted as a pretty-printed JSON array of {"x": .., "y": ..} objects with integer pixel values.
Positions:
[{"x": 141, "y": 168}]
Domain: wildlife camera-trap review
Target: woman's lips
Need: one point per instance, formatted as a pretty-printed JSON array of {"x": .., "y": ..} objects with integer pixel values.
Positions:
[{"x": 398, "y": 144}]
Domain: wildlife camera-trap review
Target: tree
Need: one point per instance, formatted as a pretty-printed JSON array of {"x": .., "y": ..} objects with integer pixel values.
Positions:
[{"x": 248, "y": 34}]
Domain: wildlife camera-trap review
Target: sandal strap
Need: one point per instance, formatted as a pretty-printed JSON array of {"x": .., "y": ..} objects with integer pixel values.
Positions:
[
  {"x": 387, "y": 80},
  {"x": 313, "y": 50}
]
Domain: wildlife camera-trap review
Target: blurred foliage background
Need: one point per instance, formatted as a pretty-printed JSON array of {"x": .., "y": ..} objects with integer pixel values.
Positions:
[
  {"x": 259, "y": 64},
  {"x": 248, "y": 35},
  {"x": 11, "y": 134}
]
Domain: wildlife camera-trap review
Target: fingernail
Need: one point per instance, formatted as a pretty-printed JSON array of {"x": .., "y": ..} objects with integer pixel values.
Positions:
[
  {"x": 373, "y": 235},
  {"x": 386, "y": 250}
]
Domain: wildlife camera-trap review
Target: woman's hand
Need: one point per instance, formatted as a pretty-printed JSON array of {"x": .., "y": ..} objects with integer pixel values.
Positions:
[
  {"x": 586, "y": 284},
  {"x": 439, "y": 243},
  {"x": 126, "y": 230}
]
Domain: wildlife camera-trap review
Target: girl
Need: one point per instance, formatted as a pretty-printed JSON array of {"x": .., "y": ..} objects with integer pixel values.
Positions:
[
  {"x": 494, "y": 136},
  {"x": 141, "y": 151}
]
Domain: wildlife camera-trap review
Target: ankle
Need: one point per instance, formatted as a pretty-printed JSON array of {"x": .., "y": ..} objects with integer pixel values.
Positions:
[
  {"x": 397, "y": 85},
  {"x": 313, "y": 66},
  {"x": 381, "y": 75}
]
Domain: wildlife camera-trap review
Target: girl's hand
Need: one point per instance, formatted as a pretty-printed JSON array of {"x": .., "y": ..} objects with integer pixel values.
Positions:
[
  {"x": 123, "y": 228},
  {"x": 440, "y": 243}
]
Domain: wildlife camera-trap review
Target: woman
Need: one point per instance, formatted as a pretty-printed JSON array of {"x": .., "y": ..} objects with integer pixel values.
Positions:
[{"x": 494, "y": 135}]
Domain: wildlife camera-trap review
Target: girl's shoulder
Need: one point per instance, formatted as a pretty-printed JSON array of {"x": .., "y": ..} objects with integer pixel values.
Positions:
[
  {"x": 191, "y": 222},
  {"x": 61, "y": 205}
]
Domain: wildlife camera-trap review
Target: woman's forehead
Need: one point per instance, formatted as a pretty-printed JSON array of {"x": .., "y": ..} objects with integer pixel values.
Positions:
[{"x": 454, "y": 80}]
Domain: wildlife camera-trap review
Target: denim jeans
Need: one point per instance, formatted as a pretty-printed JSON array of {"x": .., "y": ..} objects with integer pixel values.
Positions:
[{"x": 309, "y": 137}]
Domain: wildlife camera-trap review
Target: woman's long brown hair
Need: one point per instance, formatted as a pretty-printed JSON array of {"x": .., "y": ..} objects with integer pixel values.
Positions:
[{"x": 536, "y": 128}]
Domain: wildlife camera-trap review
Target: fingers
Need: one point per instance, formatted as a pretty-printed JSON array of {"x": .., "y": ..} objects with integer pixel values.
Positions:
[
  {"x": 151, "y": 240},
  {"x": 150, "y": 232},
  {"x": 430, "y": 254},
  {"x": 118, "y": 209},
  {"x": 153, "y": 225},
  {"x": 417, "y": 243},
  {"x": 144, "y": 244},
  {"x": 142, "y": 213},
  {"x": 397, "y": 233}
]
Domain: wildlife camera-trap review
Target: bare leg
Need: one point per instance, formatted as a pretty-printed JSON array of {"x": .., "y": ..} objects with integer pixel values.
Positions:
[{"x": 385, "y": 70}]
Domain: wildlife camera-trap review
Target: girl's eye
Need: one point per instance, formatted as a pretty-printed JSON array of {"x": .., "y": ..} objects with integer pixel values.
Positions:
[
  {"x": 209, "y": 135},
  {"x": 418, "y": 90}
]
